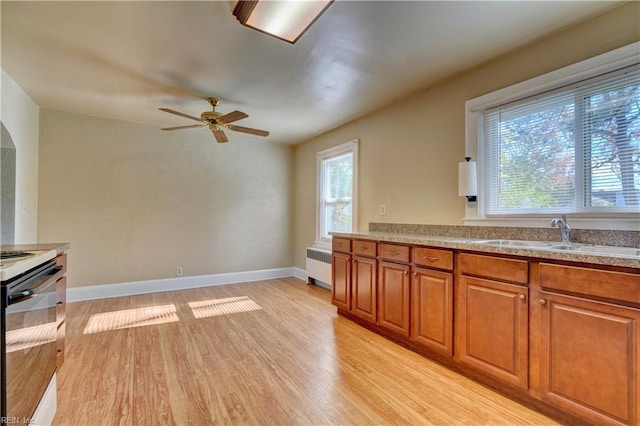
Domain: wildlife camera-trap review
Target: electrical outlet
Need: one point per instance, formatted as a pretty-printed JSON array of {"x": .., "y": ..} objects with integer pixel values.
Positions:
[
  {"x": 383, "y": 210},
  {"x": 179, "y": 271}
]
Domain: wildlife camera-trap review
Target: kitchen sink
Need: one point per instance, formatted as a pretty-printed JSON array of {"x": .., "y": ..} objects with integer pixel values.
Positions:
[
  {"x": 519, "y": 243},
  {"x": 587, "y": 248},
  {"x": 554, "y": 245}
]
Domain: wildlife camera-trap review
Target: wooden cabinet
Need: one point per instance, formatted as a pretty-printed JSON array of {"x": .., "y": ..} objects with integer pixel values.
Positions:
[
  {"x": 341, "y": 280},
  {"x": 559, "y": 334},
  {"x": 354, "y": 277},
  {"x": 492, "y": 321},
  {"x": 61, "y": 310},
  {"x": 393, "y": 297},
  {"x": 363, "y": 288},
  {"x": 589, "y": 358},
  {"x": 589, "y": 349},
  {"x": 432, "y": 309}
]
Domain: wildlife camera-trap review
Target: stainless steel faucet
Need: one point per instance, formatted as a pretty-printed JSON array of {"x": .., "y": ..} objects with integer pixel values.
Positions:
[{"x": 565, "y": 229}]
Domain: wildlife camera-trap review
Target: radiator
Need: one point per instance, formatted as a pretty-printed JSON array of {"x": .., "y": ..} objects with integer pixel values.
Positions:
[{"x": 319, "y": 267}]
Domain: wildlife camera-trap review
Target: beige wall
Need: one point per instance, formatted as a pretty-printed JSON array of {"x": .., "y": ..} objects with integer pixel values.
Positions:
[
  {"x": 135, "y": 202},
  {"x": 20, "y": 116},
  {"x": 409, "y": 150}
]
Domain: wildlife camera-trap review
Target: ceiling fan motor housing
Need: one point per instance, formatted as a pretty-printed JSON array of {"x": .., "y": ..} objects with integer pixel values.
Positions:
[{"x": 210, "y": 116}]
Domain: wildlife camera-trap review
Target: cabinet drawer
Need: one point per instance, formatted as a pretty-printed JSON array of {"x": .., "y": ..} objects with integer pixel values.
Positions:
[
  {"x": 511, "y": 270},
  {"x": 341, "y": 244},
  {"x": 364, "y": 248},
  {"x": 591, "y": 282},
  {"x": 394, "y": 252},
  {"x": 434, "y": 258}
]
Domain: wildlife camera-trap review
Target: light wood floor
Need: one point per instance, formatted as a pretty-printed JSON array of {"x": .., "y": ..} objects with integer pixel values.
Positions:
[{"x": 271, "y": 352}]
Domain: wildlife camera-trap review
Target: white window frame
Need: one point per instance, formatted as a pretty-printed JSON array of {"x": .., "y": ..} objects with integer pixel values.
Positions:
[
  {"x": 475, "y": 211},
  {"x": 347, "y": 147}
]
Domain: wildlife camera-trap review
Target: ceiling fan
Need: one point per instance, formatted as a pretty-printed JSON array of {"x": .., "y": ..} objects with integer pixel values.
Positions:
[{"x": 216, "y": 122}]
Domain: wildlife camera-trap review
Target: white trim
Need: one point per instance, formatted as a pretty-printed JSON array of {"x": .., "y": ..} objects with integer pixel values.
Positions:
[
  {"x": 609, "y": 61},
  {"x": 543, "y": 222},
  {"x": 351, "y": 146},
  {"x": 300, "y": 274},
  {"x": 78, "y": 294}
]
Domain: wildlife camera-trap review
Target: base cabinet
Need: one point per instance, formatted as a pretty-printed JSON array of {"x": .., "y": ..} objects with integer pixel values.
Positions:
[
  {"x": 393, "y": 297},
  {"x": 432, "y": 309},
  {"x": 574, "y": 348},
  {"x": 589, "y": 360},
  {"x": 341, "y": 280},
  {"x": 492, "y": 331},
  {"x": 363, "y": 288}
]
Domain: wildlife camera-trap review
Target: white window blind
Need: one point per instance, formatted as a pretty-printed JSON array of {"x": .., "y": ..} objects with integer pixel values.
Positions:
[{"x": 575, "y": 149}]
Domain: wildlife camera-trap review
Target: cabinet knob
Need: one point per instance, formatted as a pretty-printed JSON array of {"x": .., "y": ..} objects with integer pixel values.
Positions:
[
  {"x": 415, "y": 274},
  {"x": 543, "y": 302},
  {"x": 522, "y": 297}
]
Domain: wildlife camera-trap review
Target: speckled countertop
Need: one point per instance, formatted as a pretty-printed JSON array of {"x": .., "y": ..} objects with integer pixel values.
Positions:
[
  {"x": 470, "y": 240},
  {"x": 59, "y": 247}
]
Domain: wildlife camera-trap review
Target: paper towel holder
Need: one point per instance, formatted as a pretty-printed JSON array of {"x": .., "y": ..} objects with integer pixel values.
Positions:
[{"x": 467, "y": 184}]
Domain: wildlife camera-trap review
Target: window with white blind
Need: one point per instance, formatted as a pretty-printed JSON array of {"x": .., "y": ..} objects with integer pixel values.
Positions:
[
  {"x": 566, "y": 142},
  {"x": 575, "y": 149},
  {"x": 336, "y": 190}
]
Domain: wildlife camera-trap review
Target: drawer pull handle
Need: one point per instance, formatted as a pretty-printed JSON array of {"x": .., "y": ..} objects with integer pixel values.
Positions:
[
  {"x": 59, "y": 303},
  {"x": 432, "y": 258},
  {"x": 364, "y": 248},
  {"x": 522, "y": 297},
  {"x": 394, "y": 253},
  {"x": 543, "y": 302}
]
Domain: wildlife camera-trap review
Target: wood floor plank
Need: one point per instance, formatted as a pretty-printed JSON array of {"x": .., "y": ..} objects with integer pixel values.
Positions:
[{"x": 265, "y": 353}]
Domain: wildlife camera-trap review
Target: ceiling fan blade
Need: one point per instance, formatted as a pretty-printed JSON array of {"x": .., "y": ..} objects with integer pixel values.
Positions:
[
  {"x": 232, "y": 116},
  {"x": 248, "y": 130},
  {"x": 181, "y": 114},
  {"x": 190, "y": 126},
  {"x": 219, "y": 135}
]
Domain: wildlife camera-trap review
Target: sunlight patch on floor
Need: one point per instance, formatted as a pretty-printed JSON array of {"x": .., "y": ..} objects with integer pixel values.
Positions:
[
  {"x": 129, "y": 318},
  {"x": 217, "y": 307}
]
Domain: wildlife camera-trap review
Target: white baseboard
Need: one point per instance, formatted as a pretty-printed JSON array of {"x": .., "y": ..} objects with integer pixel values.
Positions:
[
  {"x": 78, "y": 294},
  {"x": 300, "y": 274}
]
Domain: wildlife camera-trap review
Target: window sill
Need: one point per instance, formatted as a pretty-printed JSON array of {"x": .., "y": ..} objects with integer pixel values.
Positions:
[{"x": 615, "y": 224}]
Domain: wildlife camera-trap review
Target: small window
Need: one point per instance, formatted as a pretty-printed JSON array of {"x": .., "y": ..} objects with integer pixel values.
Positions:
[{"x": 337, "y": 172}]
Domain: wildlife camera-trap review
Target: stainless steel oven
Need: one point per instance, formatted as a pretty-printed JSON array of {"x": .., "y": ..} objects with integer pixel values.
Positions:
[{"x": 28, "y": 340}]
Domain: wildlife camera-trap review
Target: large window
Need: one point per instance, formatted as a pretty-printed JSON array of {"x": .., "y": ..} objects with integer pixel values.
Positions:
[
  {"x": 337, "y": 171},
  {"x": 571, "y": 148}
]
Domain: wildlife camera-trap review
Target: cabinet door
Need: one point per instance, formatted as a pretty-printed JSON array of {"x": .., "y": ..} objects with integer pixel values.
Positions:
[
  {"x": 589, "y": 359},
  {"x": 393, "y": 297},
  {"x": 492, "y": 328},
  {"x": 432, "y": 309},
  {"x": 363, "y": 288},
  {"x": 341, "y": 280}
]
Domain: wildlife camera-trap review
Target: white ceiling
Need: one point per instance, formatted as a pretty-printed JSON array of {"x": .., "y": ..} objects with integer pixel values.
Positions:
[{"x": 124, "y": 60}]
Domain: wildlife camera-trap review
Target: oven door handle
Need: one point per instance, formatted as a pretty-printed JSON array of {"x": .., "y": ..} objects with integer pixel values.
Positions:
[{"x": 51, "y": 277}]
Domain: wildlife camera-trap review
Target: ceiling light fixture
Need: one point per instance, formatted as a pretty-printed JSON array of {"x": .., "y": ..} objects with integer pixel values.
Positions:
[{"x": 286, "y": 20}]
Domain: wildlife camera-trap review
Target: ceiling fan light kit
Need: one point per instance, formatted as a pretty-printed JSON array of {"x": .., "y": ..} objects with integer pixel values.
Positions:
[
  {"x": 216, "y": 122},
  {"x": 286, "y": 20}
]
